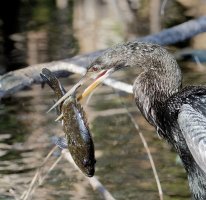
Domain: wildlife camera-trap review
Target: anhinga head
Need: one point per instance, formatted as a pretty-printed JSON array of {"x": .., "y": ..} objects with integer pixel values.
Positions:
[{"x": 149, "y": 57}]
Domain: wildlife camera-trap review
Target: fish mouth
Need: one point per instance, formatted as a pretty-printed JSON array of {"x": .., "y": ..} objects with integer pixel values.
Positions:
[
  {"x": 90, "y": 173},
  {"x": 98, "y": 77}
]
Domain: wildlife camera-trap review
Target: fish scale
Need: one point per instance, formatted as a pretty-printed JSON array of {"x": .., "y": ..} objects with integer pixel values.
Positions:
[{"x": 78, "y": 138}]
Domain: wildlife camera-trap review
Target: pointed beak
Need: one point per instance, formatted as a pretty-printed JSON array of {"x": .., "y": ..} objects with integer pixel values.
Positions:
[
  {"x": 98, "y": 79},
  {"x": 71, "y": 91}
]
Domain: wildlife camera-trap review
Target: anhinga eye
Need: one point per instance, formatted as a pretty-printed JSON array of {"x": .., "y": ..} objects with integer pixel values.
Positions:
[{"x": 94, "y": 68}]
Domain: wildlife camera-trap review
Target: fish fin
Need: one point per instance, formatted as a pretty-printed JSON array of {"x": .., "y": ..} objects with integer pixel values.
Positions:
[{"x": 61, "y": 142}]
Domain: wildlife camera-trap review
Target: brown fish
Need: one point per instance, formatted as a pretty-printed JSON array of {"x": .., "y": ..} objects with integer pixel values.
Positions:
[{"x": 78, "y": 138}]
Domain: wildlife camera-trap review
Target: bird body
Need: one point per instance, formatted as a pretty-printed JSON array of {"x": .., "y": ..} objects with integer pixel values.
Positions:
[
  {"x": 159, "y": 96},
  {"x": 179, "y": 115},
  {"x": 173, "y": 122}
]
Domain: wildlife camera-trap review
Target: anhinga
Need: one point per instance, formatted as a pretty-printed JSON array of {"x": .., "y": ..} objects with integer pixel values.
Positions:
[{"x": 179, "y": 115}]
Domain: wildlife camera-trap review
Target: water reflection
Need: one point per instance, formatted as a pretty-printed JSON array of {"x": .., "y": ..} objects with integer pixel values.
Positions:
[
  {"x": 11, "y": 47},
  {"x": 34, "y": 32}
]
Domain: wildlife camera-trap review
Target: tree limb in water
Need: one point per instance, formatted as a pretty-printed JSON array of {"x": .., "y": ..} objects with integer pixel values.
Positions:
[
  {"x": 16, "y": 80},
  {"x": 178, "y": 33}
]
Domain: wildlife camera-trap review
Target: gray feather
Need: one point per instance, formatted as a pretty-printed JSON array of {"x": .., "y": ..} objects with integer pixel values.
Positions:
[{"x": 193, "y": 126}]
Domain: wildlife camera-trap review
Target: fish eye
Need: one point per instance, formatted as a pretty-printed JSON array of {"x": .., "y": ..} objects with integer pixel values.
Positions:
[{"x": 86, "y": 162}]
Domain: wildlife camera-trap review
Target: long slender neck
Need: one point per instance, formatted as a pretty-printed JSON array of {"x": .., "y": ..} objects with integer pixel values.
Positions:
[
  {"x": 161, "y": 75},
  {"x": 160, "y": 78}
]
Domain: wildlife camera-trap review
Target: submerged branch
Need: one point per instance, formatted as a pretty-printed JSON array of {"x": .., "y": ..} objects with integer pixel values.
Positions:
[
  {"x": 94, "y": 182},
  {"x": 16, "y": 80},
  {"x": 178, "y": 33}
]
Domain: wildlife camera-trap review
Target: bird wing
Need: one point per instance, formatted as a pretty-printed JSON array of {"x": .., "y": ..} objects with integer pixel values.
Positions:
[{"x": 193, "y": 126}]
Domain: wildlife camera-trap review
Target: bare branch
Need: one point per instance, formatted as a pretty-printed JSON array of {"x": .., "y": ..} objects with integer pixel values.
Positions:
[
  {"x": 178, "y": 33},
  {"x": 16, "y": 80}
]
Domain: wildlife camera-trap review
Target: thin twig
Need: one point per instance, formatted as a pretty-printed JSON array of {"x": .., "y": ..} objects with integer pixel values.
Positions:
[
  {"x": 49, "y": 170},
  {"x": 94, "y": 182},
  {"x": 146, "y": 148},
  {"x": 41, "y": 179},
  {"x": 27, "y": 193},
  {"x": 97, "y": 185},
  {"x": 149, "y": 156},
  {"x": 49, "y": 155},
  {"x": 13, "y": 193}
]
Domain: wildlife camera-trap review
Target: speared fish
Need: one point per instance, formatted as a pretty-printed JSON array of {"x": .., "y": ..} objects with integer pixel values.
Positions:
[{"x": 77, "y": 135}]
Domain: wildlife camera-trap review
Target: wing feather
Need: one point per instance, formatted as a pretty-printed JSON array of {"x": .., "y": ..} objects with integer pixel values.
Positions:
[{"x": 193, "y": 126}]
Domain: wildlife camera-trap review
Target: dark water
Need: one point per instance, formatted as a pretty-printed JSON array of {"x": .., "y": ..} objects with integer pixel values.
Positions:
[
  {"x": 33, "y": 32},
  {"x": 44, "y": 33}
]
